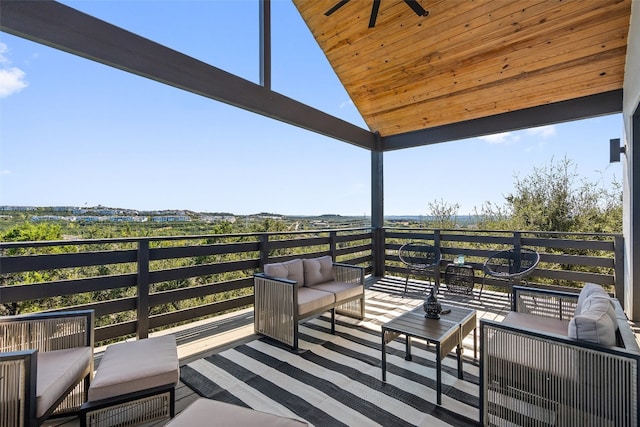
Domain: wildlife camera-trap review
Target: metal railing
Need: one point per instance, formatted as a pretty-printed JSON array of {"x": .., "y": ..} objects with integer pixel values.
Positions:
[{"x": 136, "y": 285}]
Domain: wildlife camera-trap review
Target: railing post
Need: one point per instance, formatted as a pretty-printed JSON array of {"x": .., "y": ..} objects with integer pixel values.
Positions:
[
  {"x": 517, "y": 241},
  {"x": 142, "y": 328},
  {"x": 264, "y": 250},
  {"x": 618, "y": 269},
  {"x": 333, "y": 246}
]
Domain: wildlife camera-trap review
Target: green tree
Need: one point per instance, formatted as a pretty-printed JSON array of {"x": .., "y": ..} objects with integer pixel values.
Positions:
[
  {"x": 443, "y": 214},
  {"x": 555, "y": 198}
]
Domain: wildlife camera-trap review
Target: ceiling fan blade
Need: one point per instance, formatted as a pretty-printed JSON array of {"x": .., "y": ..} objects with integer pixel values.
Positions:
[
  {"x": 336, "y": 7},
  {"x": 374, "y": 13},
  {"x": 419, "y": 10}
]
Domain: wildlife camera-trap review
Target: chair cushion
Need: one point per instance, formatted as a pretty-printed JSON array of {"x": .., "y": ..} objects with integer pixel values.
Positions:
[
  {"x": 204, "y": 412},
  {"x": 342, "y": 290},
  {"x": 57, "y": 371},
  {"x": 318, "y": 270},
  {"x": 537, "y": 323},
  {"x": 310, "y": 299},
  {"x": 136, "y": 365},
  {"x": 597, "y": 321},
  {"x": 291, "y": 270}
]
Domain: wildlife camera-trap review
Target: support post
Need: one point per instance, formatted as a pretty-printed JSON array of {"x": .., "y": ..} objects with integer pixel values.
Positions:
[
  {"x": 265, "y": 44},
  {"x": 377, "y": 209}
]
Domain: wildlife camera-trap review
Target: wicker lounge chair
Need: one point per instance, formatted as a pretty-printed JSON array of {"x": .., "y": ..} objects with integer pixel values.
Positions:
[
  {"x": 46, "y": 365},
  {"x": 420, "y": 259},
  {"x": 511, "y": 266}
]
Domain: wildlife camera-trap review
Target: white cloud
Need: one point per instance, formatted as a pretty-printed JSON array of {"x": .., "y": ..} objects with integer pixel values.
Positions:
[
  {"x": 501, "y": 138},
  {"x": 542, "y": 131},
  {"x": 12, "y": 79},
  {"x": 5, "y": 172}
]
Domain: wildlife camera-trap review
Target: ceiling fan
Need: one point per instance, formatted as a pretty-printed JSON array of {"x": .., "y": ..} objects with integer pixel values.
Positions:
[{"x": 413, "y": 4}]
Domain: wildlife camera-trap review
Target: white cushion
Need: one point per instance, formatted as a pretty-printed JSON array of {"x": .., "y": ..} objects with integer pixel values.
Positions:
[
  {"x": 587, "y": 290},
  {"x": 136, "y": 365},
  {"x": 597, "y": 322},
  {"x": 291, "y": 270},
  {"x": 205, "y": 412},
  {"x": 58, "y": 370},
  {"x": 318, "y": 270}
]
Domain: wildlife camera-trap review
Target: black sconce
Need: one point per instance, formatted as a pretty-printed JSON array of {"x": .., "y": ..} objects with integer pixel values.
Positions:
[{"x": 615, "y": 150}]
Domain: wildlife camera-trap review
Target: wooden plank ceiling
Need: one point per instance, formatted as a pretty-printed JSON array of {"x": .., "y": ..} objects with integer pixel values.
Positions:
[{"x": 468, "y": 59}]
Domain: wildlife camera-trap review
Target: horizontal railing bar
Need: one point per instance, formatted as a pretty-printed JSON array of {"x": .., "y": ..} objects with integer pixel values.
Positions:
[
  {"x": 584, "y": 260},
  {"x": 177, "y": 316},
  {"x": 156, "y": 254},
  {"x": 32, "y": 291},
  {"x": 23, "y": 263},
  {"x": 117, "y": 330},
  {"x": 201, "y": 270},
  {"x": 296, "y": 243},
  {"x": 341, "y": 238},
  {"x": 167, "y": 297},
  {"x": 570, "y": 244}
]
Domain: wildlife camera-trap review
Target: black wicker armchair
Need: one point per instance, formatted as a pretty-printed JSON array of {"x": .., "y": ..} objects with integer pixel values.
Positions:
[
  {"x": 420, "y": 259},
  {"x": 512, "y": 266}
]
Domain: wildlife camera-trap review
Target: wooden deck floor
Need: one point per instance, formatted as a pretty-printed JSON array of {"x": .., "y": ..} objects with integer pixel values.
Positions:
[{"x": 210, "y": 336}]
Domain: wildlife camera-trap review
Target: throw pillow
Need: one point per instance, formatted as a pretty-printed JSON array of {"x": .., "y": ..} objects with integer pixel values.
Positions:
[
  {"x": 318, "y": 270},
  {"x": 597, "y": 322},
  {"x": 291, "y": 270},
  {"x": 587, "y": 290}
]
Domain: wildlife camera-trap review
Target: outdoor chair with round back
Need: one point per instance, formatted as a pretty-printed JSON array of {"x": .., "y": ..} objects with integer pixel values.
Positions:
[
  {"x": 420, "y": 259},
  {"x": 512, "y": 266}
]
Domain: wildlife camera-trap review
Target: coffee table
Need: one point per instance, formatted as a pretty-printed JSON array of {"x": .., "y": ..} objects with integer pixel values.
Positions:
[{"x": 446, "y": 333}]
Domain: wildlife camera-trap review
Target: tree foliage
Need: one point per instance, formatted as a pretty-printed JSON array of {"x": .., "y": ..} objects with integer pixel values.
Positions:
[{"x": 555, "y": 198}]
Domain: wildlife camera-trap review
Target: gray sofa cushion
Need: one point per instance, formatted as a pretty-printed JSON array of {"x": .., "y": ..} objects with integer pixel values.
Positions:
[
  {"x": 311, "y": 299},
  {"x": 343, "y": 291},
  {"x": 318, "y": 270},
  {"x": 291, "y": 270},
  {"x": 57, "y": 371}
]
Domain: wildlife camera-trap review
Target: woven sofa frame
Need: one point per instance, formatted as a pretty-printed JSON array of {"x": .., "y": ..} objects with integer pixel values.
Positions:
[
  {"x": 563, "y": 381},
  {"x": 21, "y": 338},
  {"x": 276, "y": 304}
]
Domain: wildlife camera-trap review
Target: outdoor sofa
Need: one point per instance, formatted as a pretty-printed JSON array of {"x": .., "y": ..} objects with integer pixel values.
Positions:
[
  {"x": 562, "y": 359},
  {"x": 295, "y": 290},
  {"x": 46, "y": 365}
]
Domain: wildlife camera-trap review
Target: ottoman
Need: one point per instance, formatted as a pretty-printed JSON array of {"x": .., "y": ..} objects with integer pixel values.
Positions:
[
  {"x": 203, "y": 412},
  {"x": 135, "y": 383}
]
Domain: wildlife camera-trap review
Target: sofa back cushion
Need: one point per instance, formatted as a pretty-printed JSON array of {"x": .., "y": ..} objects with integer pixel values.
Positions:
[
  {"x": 318, "y": 270},
  {"x": 597, "y": 321},
  {"x": 291, "y": 270},
  {"x": 587, "y": 290}
]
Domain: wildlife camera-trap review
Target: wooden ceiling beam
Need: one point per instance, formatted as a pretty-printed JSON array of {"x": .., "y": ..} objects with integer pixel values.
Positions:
[
  {"x": 62, "y": 27},
  {"x": 574, "y": 109}
]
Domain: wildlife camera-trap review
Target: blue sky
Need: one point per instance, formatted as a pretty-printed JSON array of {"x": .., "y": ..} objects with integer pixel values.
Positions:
[{"x": 75, "y": 132}]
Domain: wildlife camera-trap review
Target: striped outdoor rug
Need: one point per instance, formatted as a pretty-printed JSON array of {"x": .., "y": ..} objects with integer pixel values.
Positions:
[{"x": 337, "y": 380}]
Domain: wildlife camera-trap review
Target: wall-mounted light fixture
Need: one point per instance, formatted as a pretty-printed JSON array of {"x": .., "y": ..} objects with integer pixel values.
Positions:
[{"x": 615, "y": 150}]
